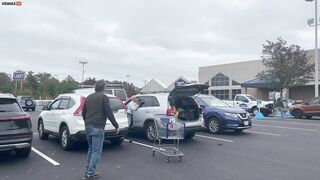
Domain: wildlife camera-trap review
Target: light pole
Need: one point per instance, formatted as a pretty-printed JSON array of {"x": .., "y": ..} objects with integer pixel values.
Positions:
[
  {"x": 316, "y": 69},
  {"x": 83, "y": 63}
]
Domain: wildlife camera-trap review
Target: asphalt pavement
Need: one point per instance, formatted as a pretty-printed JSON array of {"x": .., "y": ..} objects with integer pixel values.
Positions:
[{"x": 274, "y": 149}]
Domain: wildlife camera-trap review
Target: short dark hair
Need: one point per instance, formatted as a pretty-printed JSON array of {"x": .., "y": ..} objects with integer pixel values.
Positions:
[{"x": 100, "y": 86}]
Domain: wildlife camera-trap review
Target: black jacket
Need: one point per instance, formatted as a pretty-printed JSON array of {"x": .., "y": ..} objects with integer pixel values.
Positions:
[{"x": 97, "y": 110}]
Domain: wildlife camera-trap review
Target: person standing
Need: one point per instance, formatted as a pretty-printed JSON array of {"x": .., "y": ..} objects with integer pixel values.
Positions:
[
  {"x": 279, "y": 106},
  {"x": 132, "y": 105},
  {"x": 95, "y": 113}
]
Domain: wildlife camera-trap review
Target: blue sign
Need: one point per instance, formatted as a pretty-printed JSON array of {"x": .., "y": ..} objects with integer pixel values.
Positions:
[
  {"x": 180, "y": 82},
  {"x": 18, "y": 75}
]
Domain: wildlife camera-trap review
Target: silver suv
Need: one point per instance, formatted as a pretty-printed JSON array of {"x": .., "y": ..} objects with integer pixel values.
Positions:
[{"x": 179, "y": 98}]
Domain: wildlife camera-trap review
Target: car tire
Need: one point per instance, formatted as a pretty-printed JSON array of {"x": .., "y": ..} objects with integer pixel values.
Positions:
[
  {"x": 25, "y": 152},
  {"x": 116, "y": 141},
  {"x": 309, "y": 117},
  {"x": 214, "y": 125},
  {"x": 189, "y": 136},
  {"x": 150, "y": 131},
  {"x": 41, "y": 131},
  {"x": 254, "y": 111},
  {"x": 66, "y": 141},
  {"x": 297, "y": 114}
]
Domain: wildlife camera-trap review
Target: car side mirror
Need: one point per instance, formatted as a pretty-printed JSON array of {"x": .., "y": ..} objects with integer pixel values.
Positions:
[{"x": 246, "y": 100}]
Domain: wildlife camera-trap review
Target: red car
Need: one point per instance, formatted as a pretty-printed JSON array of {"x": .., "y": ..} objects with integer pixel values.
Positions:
[{"x": 307, "y": 109}]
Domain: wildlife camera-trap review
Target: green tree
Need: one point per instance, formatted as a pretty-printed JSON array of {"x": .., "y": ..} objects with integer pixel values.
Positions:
[
  {"x": 287, "y": 63},
  {"x": 90, "y": 81},
  {"x": 67, "y": 85},
  {"x": 32, "y": 83},
  {"x": 6, "y": 85}
]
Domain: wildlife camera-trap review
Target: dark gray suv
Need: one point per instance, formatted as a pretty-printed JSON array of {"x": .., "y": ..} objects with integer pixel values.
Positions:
[
  {"x": 27, "y": 102},
  {"x": 15, "y": 127}
]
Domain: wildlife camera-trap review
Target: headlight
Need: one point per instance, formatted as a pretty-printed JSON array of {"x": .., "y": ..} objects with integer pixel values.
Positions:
[{"x": 230, "y": 115}]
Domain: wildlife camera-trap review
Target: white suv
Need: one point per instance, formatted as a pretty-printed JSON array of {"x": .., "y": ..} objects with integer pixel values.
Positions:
[
  {"x": 164, "y": 104},
  {"x": 120, "y": 93},
  {"x": 63, "y": 118}
]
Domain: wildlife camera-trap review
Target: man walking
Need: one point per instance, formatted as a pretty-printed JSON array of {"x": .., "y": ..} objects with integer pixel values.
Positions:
[{"x": 95, "y": 113}]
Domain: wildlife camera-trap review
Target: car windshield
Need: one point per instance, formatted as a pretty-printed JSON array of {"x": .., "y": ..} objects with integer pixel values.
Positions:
[
  {"x": 252, "y": 98},
  {"x": 9, "y": 105},
  {"x": 213, "y": 102}
]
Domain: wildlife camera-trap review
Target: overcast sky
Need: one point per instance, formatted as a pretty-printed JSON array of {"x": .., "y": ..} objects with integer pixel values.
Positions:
[{"x": 147, "y": 39}]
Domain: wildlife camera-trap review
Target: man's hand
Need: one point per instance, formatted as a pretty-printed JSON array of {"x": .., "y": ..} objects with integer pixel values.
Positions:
[{"x": 117, "y": 131}]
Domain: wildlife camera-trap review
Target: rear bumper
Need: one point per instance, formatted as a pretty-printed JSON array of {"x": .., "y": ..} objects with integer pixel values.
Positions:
[
  {"x": 193, "y": 129},
  {"x": 9, "y": 147},
  {"x": 109, "y": 134},
  {"x": 29, "y": 107}
]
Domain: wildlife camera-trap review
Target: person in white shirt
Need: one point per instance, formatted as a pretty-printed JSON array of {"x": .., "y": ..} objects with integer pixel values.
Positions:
[{"x": 132, "y": 105}]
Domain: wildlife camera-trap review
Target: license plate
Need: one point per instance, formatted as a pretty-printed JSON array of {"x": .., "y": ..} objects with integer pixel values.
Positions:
[{"x": 246, "y": 123}]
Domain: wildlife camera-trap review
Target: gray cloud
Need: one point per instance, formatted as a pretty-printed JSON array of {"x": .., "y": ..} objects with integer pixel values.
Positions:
[{"x": 144, "y": 38}]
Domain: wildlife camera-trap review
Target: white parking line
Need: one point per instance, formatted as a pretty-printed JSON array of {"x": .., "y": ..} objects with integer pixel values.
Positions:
[
  {"x": 141, "y": 144},
  {"x": 264, "y": 133},
  {"x": 55, "y": 163},
  {"x": 283, "y": 127},
  {"x": 286, "y": 122},
  {"x": 219, "y": 139}
]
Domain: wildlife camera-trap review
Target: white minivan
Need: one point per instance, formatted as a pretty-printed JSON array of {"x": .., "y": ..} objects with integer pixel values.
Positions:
[{"x": 63, "y": 118}]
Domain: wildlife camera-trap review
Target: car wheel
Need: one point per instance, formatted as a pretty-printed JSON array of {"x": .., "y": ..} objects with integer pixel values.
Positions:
[
  {"x": 150, "y": 131},
  {"x": 189, "y": 136},
  {"x": 23, "y": 152},
  {"x": 254, "y": 111},
  {"x": 297, "y": 114},
  {"x": 214, "y": 126},
  {"x": 41, "y": 131},
  {"x": 308, "y": 117},
  {"x": 116, "y": 141},
  {"x": 65, "y": 140}
]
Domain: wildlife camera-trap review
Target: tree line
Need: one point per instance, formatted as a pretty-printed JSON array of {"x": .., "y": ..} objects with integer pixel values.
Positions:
[{"x": 46, "y": 86}]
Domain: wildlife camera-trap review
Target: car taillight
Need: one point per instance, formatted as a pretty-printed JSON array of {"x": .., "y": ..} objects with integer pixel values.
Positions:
[
  {"x": 170, "y": 112},
  {"x": 23, "y": 117},
  {"x": 78, "y": 112}
]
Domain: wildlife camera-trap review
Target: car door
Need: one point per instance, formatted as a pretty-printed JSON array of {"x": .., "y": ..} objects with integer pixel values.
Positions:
[
  {"x": 241, "y": 101},
  {"x": 60, "y": 113},
  {"x": 312, "y": 107},
  {"x": 146, "y": 110},
  {"x": 49, "y": 117}
]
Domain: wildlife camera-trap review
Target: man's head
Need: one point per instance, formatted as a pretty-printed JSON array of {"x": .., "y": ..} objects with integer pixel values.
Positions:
[{"x": 100, "y": 86}]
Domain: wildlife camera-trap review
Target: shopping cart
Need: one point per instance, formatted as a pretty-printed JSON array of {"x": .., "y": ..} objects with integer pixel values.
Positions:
[{"x": 167, "y": 128}]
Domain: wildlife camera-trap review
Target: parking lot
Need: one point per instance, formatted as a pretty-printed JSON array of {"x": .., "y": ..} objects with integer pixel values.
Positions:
[{"x": 272, "y": 149}]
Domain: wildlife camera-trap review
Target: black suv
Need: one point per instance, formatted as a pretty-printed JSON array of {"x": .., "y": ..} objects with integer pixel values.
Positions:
[
  {"x": 27, "y": 103},
  {"x": 15, "y": 127}
]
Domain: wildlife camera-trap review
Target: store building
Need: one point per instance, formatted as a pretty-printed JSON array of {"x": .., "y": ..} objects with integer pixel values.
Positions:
[{"x": 227, "y": 80}]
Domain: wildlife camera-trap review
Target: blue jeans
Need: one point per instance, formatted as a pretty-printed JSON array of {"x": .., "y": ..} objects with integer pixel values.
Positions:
[
  {"x": 130, "y": 119},
  {"x": 95, "y": 137}
]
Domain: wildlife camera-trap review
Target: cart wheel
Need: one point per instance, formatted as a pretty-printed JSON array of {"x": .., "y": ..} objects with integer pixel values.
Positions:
[
  {"x": 153, "y": 153},
  {"x": 180, "y": 158},
  {"x": 168, "y": 159}
]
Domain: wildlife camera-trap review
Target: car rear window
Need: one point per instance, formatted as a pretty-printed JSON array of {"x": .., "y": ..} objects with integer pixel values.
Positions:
[
  {"x": 27, "y": 98},
  {"x": 115, "y": 104},
  {"x": 9, "y": 105},
  {"x": 120, "y": 94}
]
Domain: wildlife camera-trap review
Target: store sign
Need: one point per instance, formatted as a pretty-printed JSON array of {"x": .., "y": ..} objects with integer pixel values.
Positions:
[
  {"x": 180, "y": 82},
  {"x": 18, "y": 75}
]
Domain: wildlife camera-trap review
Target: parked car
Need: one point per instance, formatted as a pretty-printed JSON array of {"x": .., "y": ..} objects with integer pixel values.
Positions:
[
  {"x": 219, "y": 116},
  {"x": 164, "y": 104},
  {"x": 119, "y": 92},
  {"x": 307, "y": 109},
  {"x": 27, "y": 102},
  {"x": 15, "y": 127},
  {"x": 63, "y": 118},
  {"x": 250, "y": 104}
]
